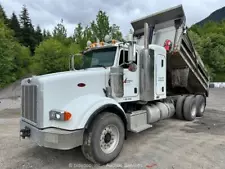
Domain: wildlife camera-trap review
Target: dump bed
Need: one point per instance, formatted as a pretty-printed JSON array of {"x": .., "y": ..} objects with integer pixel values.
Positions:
[{"x": 185, "y": 70}]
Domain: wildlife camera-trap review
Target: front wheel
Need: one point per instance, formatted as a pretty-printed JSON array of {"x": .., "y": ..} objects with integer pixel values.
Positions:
[{"x": 103, "y": 140}]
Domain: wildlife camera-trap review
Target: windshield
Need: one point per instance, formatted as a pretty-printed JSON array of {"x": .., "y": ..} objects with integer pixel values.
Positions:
[{"x": 99, "y": 58}]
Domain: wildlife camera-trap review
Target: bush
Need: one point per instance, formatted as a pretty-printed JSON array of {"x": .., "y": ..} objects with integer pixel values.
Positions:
[{"x": 52, "y": 56}]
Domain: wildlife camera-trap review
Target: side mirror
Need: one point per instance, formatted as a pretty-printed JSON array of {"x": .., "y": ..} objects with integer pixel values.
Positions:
[
  {"x": 131, "y": 47},
  {"x": 131, "y": 52},
  {"x": 71, "y": 62}
]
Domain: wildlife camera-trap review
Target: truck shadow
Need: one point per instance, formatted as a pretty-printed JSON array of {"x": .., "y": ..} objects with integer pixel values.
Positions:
[
  {"x": 212, "y": 123},
  {"x": 50, "y": 158},
  {"x": 54, "y": 158}
]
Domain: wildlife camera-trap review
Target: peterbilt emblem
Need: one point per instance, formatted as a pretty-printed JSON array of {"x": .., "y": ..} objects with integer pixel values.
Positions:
[{"x": 127, "y": 81}]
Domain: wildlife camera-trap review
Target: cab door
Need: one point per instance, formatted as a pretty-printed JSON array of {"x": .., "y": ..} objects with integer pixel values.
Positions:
[{"x": 131, "y": 80}]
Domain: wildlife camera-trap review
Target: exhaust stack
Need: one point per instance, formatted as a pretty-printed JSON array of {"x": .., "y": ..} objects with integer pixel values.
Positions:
[
  {"x": 146, "y": 69},
  {"x": 146, "y": 36}
]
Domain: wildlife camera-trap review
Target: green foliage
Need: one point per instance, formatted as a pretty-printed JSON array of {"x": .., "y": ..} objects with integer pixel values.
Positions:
[
  {"x": 14, "y": 58},
  {"x": 38, "y": 35},
  {"x": 115, "y": 32},
  {"x": 22, "y": 61},
  {"x": 6, "y": 55},
  {"x": 51, "y": 56},
  {"x": 101, "y": 27},
  {"x": 97, "y": 30},
  {"x": 73, "y": 50},
  {"x": 60, "y": 32},
  {"x": 209, "y": 41},
  {"x": 27, "y": 30},
  {"x": 25, "y": 50},
  {"x": 3, "y": 16},
  {"x": 15, "y": 26}
]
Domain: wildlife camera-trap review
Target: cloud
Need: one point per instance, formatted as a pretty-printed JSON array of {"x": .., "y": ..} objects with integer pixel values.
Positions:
[{"x": 47, "y": 13}]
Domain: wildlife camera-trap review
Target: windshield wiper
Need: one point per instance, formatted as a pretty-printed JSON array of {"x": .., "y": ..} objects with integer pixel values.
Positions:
[{"x": 99, "y": 66}]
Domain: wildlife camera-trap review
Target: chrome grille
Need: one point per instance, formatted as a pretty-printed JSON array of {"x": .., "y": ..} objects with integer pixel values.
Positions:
[{"x": 29, "y": 102}]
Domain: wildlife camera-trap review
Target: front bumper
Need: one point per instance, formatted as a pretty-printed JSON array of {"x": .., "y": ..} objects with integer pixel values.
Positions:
[{"x": 54, "y": 138}]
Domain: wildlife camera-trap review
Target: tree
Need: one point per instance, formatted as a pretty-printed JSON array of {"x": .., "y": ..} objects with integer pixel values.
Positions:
[
  {"x": 22, "y": 61},
  {"x": 60, "y": 31},
  {"x": 6, "y": 55},
  {"x": 115, "y": 32},
  {"x": 3, "y": 15},
  {"x": 209, "y": 41},
  {"x": 14, "y": 58},
  {"x": 27, "y": 30},
  {"x": 81, "y": 36},
  {"x": 197, "y": 41},
  {"x": 97, "y": 31},
  {"x": 101, "y": 26},
  {"x": 39, "y": 36},
  {"x": 44, "y": 34},
  {"x": 78, "y": 33},
  {"x": 75, "y": 49},
  {"x": 15, "y": 26},
  {"x": 51, "y": 56},
  {"x": 48, "y": 34}
]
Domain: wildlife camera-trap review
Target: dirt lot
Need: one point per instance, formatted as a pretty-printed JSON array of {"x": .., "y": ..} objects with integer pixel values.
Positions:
[{"x": 171, "y": 144}]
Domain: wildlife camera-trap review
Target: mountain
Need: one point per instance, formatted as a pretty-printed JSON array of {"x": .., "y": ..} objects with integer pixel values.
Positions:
[{"x": 216, "y": 16}]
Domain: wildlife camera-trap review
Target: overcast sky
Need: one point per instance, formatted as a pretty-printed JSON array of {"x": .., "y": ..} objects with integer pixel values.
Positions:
[{"x": 47, "y": 13}]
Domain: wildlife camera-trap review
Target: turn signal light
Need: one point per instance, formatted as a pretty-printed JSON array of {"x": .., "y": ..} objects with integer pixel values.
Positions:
[{"x": 67, "y": 116}]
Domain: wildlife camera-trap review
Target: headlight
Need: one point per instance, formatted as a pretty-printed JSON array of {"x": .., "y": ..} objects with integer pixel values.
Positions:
[{"x": 59, "y": 115}]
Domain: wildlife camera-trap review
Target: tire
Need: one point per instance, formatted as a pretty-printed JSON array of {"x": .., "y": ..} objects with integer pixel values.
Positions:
[
  {"x": 201, "y": 103},
  {"x": 100, "y": 145},
  {"x": 179, "y": 107},
  {"x": 190, "y": 108}
]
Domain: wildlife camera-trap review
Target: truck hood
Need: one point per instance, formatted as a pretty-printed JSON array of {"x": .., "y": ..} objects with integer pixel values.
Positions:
[{"x": 55, "y": 91}]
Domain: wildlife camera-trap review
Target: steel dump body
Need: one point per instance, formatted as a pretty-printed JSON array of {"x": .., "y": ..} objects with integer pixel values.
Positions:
[{"x": 185, "y": 70}]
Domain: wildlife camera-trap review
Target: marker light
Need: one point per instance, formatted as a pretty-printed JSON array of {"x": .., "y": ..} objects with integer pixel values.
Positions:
[
  {"x": 113, "y": 41},
  {"x": 88, "y": 44},
  {"x": 93, "y": 45}
]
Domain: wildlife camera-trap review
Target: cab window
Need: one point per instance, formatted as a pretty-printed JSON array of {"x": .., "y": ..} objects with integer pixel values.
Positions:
[{"x": 124, "y": 59}]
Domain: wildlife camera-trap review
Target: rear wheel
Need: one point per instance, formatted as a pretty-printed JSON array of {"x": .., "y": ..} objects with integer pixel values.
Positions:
[
  {"x": 103, "y": 141},
  {"x": 179, "y": 107},
  {"x": 190, "y": 108},
  {"x": 201, "y": 103}
]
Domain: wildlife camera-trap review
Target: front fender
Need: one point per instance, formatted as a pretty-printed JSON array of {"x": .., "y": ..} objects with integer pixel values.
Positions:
[{"x": 84, "y": 107}]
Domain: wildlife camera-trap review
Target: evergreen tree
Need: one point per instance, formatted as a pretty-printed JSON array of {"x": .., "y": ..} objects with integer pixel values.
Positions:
[
  {"x": 60, "y": 31},
  {"x": 39, "y": 36},
  {"x": 44, "y": 34},
  {"x": 48, "y": 34},
  {"x": 15, "y": 26},
  {"x": 3, "y": 15},
  {"x": 27, "y": 30}
]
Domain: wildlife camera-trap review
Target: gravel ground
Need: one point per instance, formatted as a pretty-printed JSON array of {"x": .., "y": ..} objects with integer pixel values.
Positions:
[{"x": 170, "y": 144}]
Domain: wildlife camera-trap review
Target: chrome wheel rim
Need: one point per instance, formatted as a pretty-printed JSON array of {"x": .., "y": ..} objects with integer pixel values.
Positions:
[
  {"x": 109, "y": 139},
  {"x": 193, "y": 111}
]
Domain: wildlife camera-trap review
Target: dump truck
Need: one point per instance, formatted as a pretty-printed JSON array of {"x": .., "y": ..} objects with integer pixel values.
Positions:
[{"x": 120, "y": 87}]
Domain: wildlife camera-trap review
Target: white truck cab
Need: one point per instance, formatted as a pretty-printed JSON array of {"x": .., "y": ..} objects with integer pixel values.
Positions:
[{"x": 120, "y": 87}]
